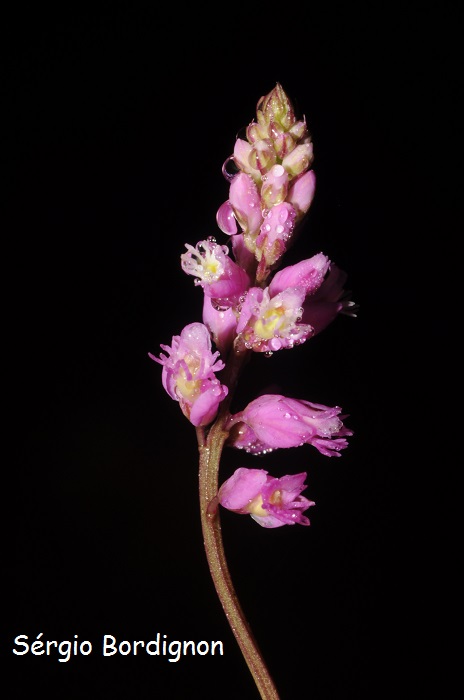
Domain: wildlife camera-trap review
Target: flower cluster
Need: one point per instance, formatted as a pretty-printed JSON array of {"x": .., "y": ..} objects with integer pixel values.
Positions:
[{"x": 250, "y": 305}]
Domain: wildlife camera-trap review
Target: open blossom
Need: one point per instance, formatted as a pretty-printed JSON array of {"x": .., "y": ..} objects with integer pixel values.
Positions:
[
  {"x": 271, "y": 502},
  {"x": 272, "y": 318},
  {"x": 273, "y": 421},
  {"x": 189, "y": 374},
  {"x": 267, "y": 324},
  {"x": 221, "y": 278}
]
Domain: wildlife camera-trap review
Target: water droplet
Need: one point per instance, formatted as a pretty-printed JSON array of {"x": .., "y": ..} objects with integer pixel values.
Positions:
[{"x": 229, "y": 169}]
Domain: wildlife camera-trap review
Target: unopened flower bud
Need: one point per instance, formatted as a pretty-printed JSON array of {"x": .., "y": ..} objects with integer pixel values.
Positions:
[
  {"x": 299, "y": 160},
  {"x": 276, "y": 107},
  {"x": 275, "y": 186},
  {"x": 262, "y": 156}
]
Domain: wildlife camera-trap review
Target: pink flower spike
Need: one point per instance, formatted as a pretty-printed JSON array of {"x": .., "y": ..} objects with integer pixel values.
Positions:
[
  {"x": 273, "y": 421},
  {"x": 271, "y": 502},
  {"x": 189, "y": 374}
]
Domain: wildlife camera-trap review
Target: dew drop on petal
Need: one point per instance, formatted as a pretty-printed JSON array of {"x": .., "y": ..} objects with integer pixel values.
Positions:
[{"x": 229, "y": 169}]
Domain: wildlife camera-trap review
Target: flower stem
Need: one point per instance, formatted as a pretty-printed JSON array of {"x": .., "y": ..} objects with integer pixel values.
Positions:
[{"x": 210, "y": 450}]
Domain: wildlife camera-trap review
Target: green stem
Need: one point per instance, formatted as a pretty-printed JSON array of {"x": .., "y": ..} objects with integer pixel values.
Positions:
[{"x": 210, "y": 450}]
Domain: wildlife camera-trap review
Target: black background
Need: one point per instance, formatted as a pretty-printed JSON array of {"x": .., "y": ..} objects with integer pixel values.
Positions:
[{"x": 120, "y": 120}]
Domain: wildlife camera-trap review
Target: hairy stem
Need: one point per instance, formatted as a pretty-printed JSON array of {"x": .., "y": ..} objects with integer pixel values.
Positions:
[{"x": 210, "y": 450}]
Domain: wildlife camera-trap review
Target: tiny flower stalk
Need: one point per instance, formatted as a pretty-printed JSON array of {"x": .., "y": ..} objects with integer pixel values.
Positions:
[{"x": 254, "y": 306}]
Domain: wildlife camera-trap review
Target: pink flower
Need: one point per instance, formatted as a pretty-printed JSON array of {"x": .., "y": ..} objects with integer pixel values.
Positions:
[
  {"x": 221, "y": 278},
  {"x": 270, "y": 501},
  {"x": 273, "y": 318},
  {"x": 270, "y": 323},
  {"x": 188, "y": 374},
  {"x": 272, "y": 421}
]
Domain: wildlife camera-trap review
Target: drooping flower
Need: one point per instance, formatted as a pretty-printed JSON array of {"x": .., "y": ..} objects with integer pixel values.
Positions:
[
  {"x": 271, "y": 502},
  {"x": 221, "y": 278},
  {"x": 189, "y": 374},
  {"x": 274, "y": 421}
]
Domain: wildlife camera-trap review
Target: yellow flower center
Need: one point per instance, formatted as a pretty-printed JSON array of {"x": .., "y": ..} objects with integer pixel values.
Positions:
[
  {"x": 188, "y": 388},
  {"x": 266, "y": 326},
  {"x": 255, "y": 507}
]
